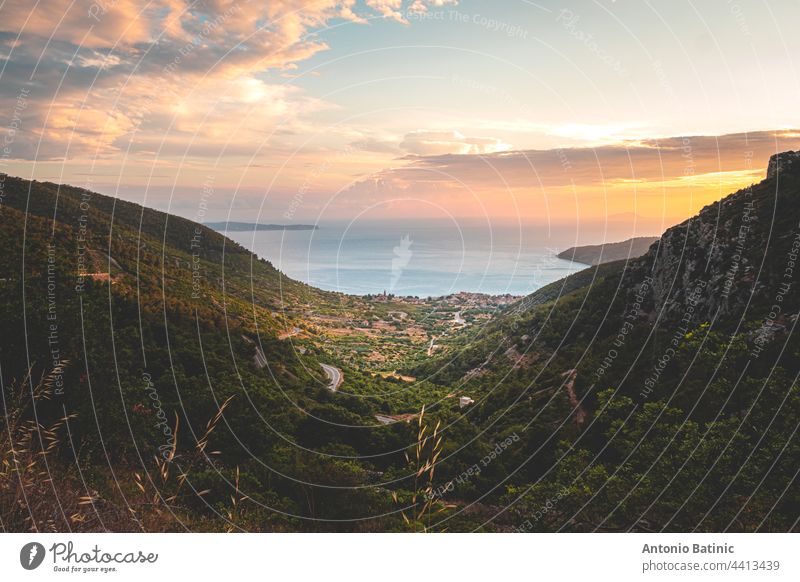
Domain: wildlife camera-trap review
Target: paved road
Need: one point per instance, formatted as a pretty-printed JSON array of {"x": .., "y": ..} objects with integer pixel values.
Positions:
[{"x": 335, "y": 375}]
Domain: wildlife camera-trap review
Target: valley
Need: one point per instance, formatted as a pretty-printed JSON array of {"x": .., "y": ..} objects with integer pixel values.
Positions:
[{"x": 281, "y": 407}]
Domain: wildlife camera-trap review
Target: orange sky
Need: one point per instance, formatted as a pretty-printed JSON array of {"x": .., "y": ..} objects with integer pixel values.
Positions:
[{"x": 554, "y": 112}]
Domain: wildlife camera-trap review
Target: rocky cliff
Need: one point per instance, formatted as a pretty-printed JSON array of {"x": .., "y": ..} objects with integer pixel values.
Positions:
[
  {"x": 736, "y": 259},
  {"x": 781, "y": 162}
]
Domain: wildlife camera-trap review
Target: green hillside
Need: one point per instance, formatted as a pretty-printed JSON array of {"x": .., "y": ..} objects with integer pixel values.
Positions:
[
  {"x": 659, "y": 392},
  {"x": 141, "y": 327}
]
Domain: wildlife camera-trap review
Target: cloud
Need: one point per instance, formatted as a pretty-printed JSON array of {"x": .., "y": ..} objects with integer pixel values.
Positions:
[
  {"x": 394, "y": 9},
  {"x": 432, "y": 143},
  {"x": 669, "y": 178},
  {"x": 91, "y": 25},
  {"x": 590, "y": 133},
  {"x": 652, "y": 159},
  {"x": 117, "y": 74},
  {"x": 376, "y": 145}
]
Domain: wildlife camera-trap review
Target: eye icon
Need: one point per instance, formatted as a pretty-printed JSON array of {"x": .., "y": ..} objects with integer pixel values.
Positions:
[{"x": 31, "y": 555}]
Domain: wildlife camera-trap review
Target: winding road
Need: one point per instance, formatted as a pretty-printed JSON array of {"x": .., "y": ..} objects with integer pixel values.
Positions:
[{"x": 335, "y": 375}]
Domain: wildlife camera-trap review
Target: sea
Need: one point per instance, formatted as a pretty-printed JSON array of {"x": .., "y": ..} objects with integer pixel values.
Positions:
[{"x": 417, "y": 258}]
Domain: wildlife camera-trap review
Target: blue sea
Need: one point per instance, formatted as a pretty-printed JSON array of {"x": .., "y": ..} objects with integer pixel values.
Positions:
[{"x": 422, "y": 258}]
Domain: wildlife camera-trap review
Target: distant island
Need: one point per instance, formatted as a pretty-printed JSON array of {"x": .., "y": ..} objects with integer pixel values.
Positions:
[
  {"x": 606, "y": 253},
  {"x": 245, "y": 226}
]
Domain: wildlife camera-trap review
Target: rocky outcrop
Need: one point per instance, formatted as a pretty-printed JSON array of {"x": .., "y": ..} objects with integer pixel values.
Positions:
[
  {"x": 733, "y": 260},
  {"x": 780, "y": 162}
]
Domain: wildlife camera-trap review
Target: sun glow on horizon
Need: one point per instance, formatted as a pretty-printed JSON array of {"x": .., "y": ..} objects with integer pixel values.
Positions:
[{"x": 334, "y": 107}]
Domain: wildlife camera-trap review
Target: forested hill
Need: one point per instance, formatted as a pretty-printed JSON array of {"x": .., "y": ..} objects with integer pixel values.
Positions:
[
  {"x": 609, "y": 252},
  {"x": 659, "y": 391},
  {"x": 129, "y": 337},
  {"x": 728, "y": 266},
  {"x": 130, "y": 242},
  {"x": 74, "y": 207}
]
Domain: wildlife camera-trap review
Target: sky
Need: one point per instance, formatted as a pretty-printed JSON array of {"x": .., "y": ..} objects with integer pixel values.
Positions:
[{"x": 615, "y": 112}]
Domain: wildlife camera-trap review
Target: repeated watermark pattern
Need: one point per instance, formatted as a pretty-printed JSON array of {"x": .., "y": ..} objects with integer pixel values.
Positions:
[
  {"x": 685, "y": 324},
  {"x": 570, "y": 21},
  {"x": 548, "y": 507},
  {"x": 472, "y": 378},
  {"x": 474, "y": 470}
]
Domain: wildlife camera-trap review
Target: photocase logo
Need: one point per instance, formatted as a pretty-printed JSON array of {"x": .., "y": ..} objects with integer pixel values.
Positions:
[
  {"x": 402, "y": 256},
  {"x": 31, "y": 555}
]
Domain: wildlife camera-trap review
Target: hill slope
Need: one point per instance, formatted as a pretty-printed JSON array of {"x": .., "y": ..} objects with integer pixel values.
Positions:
[
  {"x": 662, "y": 393},
  {"x": 654, "y": 393},
  {"x": 609, "y": 252},
  {"x": 158, "y": 340}
]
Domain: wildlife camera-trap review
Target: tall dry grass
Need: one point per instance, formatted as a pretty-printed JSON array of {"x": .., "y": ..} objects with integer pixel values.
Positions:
[
  {"x": 31, "y": 499},
  {"x": 41, "y": 492},
  {"x": 423, "y": 504}
]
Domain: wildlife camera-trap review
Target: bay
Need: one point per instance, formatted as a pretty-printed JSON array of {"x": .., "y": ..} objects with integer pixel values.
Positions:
[{"x": 422, "y": 258}]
